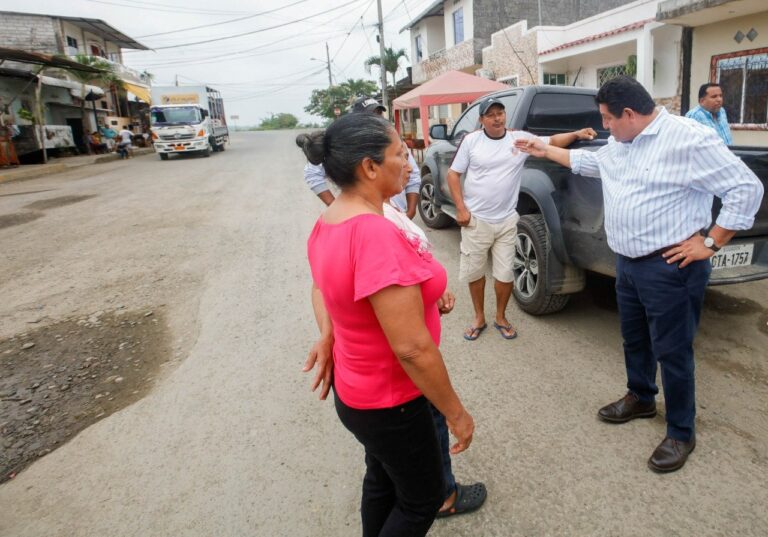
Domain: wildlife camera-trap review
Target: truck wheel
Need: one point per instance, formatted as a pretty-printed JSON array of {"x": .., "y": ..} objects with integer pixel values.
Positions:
[
  {"x": 206, "y": 152},
  {"x": 222, "y": 146},
  {"x": 163, "y": 156},
  {"x": 212, "y": 144},
  {"x": 429, "y": 212},
  {"x": 529, "y": 267}
]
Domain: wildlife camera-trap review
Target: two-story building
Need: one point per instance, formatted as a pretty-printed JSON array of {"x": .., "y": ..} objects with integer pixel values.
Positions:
[
  {"x": 113, "y": 105},
  {"x": 452, "y": 34},
  {"x": 726, "y": 41}
]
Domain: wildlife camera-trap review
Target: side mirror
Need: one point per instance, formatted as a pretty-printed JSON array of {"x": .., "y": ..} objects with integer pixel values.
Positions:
[
  {"x": 438, "y": 132},
  {"x": 205, "y": 113}
]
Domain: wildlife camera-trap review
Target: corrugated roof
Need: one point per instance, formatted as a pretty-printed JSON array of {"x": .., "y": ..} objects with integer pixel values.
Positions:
[{"x": 37, "y": 58}]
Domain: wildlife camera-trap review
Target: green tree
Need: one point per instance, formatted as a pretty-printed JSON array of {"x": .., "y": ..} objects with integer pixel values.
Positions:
[
  {"x": 323, "y": 101},
  {"x": 391, "y": 63},
  {"x": 279, "y": 121},
  {"x": 106, "y": 79}
]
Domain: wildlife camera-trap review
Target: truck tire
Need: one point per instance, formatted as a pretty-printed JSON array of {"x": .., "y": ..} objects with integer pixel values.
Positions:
[
  {"x": 163, "y": 156},
  {"x": 429, "y": 212},
  {"x": 206, "y": 152},
  {"x": 222, "y": 146},
  {"x": 529, "y": 267}
]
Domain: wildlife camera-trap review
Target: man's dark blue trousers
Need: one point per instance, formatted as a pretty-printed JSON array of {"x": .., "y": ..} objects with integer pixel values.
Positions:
[{"x": 659, "y": 308}]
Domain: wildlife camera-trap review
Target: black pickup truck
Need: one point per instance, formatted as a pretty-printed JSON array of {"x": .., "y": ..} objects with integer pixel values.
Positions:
[{"x": 561, "y": 233}]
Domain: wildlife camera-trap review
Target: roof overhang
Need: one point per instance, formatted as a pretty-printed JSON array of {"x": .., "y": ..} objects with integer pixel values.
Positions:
[
  {"x": 702, "y": 12},
  {"x": 102, "y": 29},
  {"x": 46, "y": 60},
  {"x": 434, "y": 10}
]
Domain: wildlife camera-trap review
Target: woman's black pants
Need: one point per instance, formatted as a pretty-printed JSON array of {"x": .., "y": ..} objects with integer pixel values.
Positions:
[{"x": 403, "y": 485}]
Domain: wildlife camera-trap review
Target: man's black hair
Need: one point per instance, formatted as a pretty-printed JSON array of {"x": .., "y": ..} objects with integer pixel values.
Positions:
[
  {"x": 704, "y": 87},
  {"x": 625, "y": 92}
]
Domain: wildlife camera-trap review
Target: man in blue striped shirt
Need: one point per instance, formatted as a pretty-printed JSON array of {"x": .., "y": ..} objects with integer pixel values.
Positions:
[
  {"x": 659, "y": 175},
  {"x": 710, "y": 111}
]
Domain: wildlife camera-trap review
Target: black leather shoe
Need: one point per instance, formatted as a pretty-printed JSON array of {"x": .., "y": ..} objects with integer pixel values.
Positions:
[
  {"x": 671, "y": 455},
  {"x": 627, "y": 408}
]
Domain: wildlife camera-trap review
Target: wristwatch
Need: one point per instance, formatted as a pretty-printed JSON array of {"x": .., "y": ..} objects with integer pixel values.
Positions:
[{"x": 709, "y": 242}]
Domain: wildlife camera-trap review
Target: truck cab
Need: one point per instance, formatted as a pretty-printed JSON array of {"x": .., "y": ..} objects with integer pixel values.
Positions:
[{"x": 187, "y": 119}]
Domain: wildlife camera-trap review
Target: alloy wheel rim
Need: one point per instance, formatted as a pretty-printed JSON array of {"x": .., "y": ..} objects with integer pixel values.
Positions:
[
  {"x": 427, "y": 207},
  {"x": 525, "y": 266}
]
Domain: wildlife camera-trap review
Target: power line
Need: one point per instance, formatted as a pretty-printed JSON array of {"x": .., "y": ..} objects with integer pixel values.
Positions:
[
  {"x": 259, "y": 30},
  {"x": 223, "y": 22},
  {"x": 174, "y": 9}
]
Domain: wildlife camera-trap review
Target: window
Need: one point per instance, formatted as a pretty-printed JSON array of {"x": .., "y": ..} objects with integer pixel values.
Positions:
[
  {"x": 97, "y": 51},
  {"x": 467, "y": 123},
  {"x": 551, "y": 113},
  {"x": 458, "y": 26},
  {"x": 551, "y": 79},
  {"x": 419, "y": 48},
  {"x": 743, "y": 77},
  {"x": 72, "y": 42},
  {"x": 607, "y": 73}
]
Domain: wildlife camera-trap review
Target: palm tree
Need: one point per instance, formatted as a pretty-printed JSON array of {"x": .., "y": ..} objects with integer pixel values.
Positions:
[
  {"x": 391, "y": 63},
  {"x": 107, "y": 77}
]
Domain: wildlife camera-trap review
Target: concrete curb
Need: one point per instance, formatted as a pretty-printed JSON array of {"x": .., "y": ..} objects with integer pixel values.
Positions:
[{"x": 33, "y": 171}]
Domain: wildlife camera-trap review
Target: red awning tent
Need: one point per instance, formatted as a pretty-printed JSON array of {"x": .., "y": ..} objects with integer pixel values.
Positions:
[{"x": 449, "y": 88}]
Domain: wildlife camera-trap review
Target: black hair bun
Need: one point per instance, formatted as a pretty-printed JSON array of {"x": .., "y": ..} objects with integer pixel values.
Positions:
[{"x": 312, "y": 146}]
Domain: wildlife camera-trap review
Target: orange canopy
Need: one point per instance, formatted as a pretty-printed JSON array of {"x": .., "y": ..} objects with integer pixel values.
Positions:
[{"x": 448, "y": 88}]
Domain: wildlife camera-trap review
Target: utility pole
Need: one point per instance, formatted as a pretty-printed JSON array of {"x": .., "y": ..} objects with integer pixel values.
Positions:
[
  {"x": 328, "y": 61},
  {"x": 381, "y": 58}
]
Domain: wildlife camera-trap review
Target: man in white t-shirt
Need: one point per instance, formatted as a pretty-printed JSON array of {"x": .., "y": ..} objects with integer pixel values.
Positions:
[
  {"x": 124, "y": 147},
  {"x": 486, "y": 207}
]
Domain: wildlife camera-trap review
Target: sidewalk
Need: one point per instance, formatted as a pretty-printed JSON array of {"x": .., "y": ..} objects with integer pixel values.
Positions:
[{"x": 58, "y": 165}]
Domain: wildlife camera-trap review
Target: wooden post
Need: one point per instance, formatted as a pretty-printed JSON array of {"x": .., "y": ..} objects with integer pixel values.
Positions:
[{"x": 39, "y": 115}]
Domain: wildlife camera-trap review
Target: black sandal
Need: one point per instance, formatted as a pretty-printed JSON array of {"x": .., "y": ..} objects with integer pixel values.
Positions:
[{"x": 468, "y": 499}]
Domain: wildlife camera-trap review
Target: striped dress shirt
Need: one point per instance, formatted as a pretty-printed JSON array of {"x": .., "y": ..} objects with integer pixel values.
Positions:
[
  {"x": 658, "y": 189},
  {"x": 704, "y": 117}
]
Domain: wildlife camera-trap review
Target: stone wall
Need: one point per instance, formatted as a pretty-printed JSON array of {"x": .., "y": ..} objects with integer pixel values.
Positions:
[
  {"x": 29, "y": 32},
  {"x": 672, "y": 104},
  {"x": 457, "y": 58},
  {"x": 503, "y": 61}
]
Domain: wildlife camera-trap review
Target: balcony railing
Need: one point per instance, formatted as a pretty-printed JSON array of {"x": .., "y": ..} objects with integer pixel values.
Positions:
[{"x": 126, "y": 73}]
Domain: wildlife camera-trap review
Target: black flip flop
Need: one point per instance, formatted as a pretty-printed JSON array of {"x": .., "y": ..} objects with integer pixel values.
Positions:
[
  {"x": 468, "y": 499},
  {"x": 475, "y": 332}
]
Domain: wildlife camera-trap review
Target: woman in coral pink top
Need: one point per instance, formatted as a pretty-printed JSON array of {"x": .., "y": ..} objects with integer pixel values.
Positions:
[{"x": 381, "y": 295}]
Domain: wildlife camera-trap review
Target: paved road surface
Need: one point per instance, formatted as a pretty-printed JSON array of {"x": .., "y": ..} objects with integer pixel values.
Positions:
[{"x": 231, "y": 443}]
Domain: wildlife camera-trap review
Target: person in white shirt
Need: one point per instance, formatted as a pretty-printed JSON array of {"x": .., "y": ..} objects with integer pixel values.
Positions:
[
  {"x": 659, "y": 174},
  {"x": 314, "y": 174},
  {"x": 124, "y": 146},
  {"x": 486, "y": 207}
]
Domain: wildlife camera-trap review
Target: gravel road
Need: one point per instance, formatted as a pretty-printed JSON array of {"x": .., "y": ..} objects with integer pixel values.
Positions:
[{"x": 228, "y": 441}]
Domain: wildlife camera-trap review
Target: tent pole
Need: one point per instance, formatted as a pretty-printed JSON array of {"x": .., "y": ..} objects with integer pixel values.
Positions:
[{"x": 424, "y": 113}]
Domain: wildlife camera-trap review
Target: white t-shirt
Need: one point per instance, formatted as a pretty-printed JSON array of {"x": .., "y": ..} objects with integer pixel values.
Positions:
[
  {"x": 493, "y": 173},
  {"x": 401, "y": 220},
  {"x": 125, "y": 136}
]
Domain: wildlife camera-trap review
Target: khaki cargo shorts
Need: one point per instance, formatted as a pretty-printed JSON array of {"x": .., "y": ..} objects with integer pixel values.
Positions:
[{"x": 477, "y": 239}]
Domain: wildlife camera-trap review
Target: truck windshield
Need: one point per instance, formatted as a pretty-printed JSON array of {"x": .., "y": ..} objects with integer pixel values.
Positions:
[{"x": 178, "y": 115}]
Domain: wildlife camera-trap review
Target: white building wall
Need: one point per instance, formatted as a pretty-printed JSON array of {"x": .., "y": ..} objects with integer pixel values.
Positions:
[{"x": 449, "y": 7}]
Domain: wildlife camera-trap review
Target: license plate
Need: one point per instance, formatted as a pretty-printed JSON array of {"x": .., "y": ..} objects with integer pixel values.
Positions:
[
  {"x": 179, "y": 148},
  {"x": 737, "y": 255}
]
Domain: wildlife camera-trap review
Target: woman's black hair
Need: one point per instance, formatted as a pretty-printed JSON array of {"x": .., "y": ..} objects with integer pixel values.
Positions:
[
  {"x": 343, "y": 145},
  {"x": 625, "y": 92}
]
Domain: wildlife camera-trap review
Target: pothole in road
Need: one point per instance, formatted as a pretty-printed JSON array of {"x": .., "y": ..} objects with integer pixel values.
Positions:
[
  {"x": 59, "y": 379},
  {"x": 52, "y": 203},
  {"x": 15, "y": 219}
]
